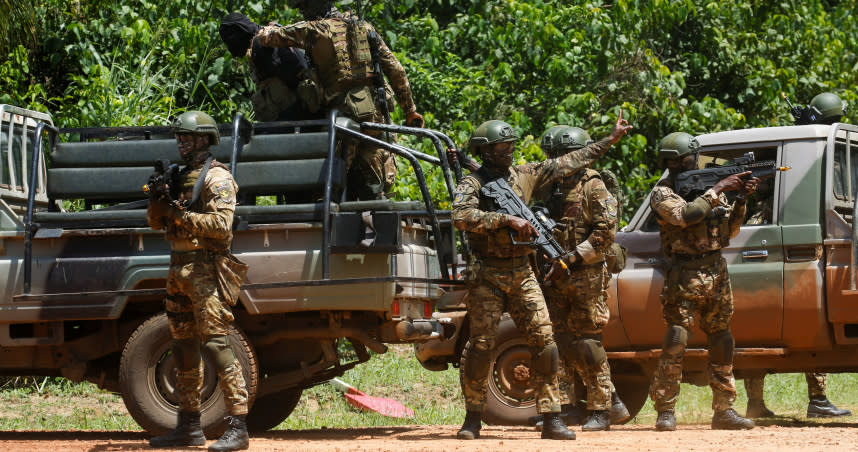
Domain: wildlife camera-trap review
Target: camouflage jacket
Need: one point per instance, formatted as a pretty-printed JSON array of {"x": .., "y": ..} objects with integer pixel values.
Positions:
[
  {"x": 586, "y": 214},
  {"x": 328, "y": 46},
  {"x": 208, "y": 223},
  {"x": 711, "y": 233},
  {"x": 487, "y": 230}
]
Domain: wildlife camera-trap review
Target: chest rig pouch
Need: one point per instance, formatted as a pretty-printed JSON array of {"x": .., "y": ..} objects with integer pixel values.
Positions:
[{"x": 567, "y": 206}]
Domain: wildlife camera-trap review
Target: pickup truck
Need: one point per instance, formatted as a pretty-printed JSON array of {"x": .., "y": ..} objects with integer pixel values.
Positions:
[
  {"x": 329, "y": 279},
  {"x": 793, "y": 279}
]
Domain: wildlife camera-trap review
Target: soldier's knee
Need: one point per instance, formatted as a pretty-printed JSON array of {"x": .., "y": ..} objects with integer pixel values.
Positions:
[
  {"x": 592, "y": 352},
  {"x": 186, "y": 353},
  {"x": 547, "y": 360},
  {"x": 721, "y": 346},
  {"x": 477, "y": 363},
  {"x": 567, "y": 347},
  {"x": 675, "y": 340},
  {"x": 218, "y": 351}
]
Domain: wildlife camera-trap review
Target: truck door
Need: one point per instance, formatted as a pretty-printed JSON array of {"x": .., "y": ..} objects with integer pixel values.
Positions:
[
  {"x": 841, "y": 180},
  {"x": 755, "y": 257}
]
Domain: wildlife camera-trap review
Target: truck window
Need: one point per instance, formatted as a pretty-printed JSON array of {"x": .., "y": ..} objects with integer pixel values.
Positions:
[{"x": 845, "y": 165}]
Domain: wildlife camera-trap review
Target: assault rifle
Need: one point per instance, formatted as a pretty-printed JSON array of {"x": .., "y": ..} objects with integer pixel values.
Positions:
[
  {"x": 690, "y": 184},
  {"x": 509, "y": 203},
  {"x": 165, "y": 183}
]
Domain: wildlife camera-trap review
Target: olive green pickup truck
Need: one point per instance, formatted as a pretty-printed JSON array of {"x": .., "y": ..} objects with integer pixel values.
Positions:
[
  {"x": 329, "y": 279},
  {"x": 793, "y": 278}
]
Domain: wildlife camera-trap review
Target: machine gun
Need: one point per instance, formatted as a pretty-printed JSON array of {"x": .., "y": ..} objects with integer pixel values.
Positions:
[
  {"x": 165, "y": 183},
  {"x": 509, "y": 203},
  {"x": 803, "y": 116},
  {"x": 690, "y": 184}
]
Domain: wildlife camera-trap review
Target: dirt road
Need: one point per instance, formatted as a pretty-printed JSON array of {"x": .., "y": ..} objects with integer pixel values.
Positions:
[{"x": 829, "y": 437}]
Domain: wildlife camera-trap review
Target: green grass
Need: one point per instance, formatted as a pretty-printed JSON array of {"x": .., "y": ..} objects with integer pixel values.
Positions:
[
  {"x": 435, "y": 397},
  {"x": 785, "y": 394}
]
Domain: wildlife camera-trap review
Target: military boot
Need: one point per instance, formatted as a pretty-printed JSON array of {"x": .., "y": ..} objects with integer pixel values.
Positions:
[
  {"x": 471, "y": 427},
  {"x": 822, "y": 407},
  {"x": 554, "y": 428},
  {"x": 757, "y": 408},
  {"x": 188, "y": 432},
  {"x": 235, "y": 437},
  {"x": 599, "y": 421},
  {"x": 619, "y": 412},
  {"x": 729, "y": 419},
  {"x": 666, "y": 421},
  {"x": 571, "y": 414}
]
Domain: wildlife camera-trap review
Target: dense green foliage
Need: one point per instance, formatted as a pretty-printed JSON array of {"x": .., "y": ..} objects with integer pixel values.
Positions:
[{"x": 695, "y": 66}]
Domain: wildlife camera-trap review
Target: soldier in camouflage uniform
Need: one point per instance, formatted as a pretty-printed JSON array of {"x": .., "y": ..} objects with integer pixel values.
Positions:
[
  {"x": 339, "y": 46},
  {"x": 586, "y": 217},
  {"x": 818, "y": 404},
  {"x": 199, "y": 228},
  {"x": 499, "y": 276},
  {"x": 276, "y": 72},
  {"x": 692, "y": 235}
]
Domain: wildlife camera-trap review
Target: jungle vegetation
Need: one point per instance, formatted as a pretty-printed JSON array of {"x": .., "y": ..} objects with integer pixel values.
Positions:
[{"x": 671, "y": 65}]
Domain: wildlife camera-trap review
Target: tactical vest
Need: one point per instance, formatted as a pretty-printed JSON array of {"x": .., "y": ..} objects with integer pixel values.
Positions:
[
  {"x": 710, "y": 234},
  {"x": 566, "y": 207},
  {"x": 352, "y": 57},
  {"x": 189, "y": 181},
  {"x": 497, "y": 243}
]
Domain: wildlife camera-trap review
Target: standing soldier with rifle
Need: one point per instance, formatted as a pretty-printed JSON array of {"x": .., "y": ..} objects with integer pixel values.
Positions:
[
  {"x": 350, "y": 61},
  {"x": 203, "y": 282},
  {"x": 693, "y": 232},
  {"x": 586, "y": 215},
  {"x": 499, "y": 274}
]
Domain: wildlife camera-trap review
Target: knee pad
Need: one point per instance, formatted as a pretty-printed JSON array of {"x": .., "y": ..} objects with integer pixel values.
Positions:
[
  {"x": 567, "y": 348},
  {"x": 477, "y": 365},
  {"x": 186, "y": 353},
  {"x": 546, "y": 360},
  {"x": 592, "y": 353},
  {"x": 675, "y": 340},
  {"x": 218, "y": 352},
  {"x": 721, "y": 346}
]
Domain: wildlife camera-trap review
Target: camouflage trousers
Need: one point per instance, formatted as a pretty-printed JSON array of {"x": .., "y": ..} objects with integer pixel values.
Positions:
[
  {"x": 493, "y": 290},
  {"x": 579, "y": 310},
  {"x": 371, "y": 170},
  {"x": 816, "y": 386},
  {"x": 196, "y": 314},
  {"x": 701, "y": 288}
]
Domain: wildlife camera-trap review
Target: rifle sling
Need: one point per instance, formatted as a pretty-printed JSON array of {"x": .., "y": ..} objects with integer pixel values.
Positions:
[{"x": 198, "y": 185}]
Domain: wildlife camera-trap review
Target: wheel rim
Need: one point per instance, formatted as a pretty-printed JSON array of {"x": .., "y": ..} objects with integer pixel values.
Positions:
[
  {"x": 161, "y": 380},
  {"x": 512, "y": 376}
]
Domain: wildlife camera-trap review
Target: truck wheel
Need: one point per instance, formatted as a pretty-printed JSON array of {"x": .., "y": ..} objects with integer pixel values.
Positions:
[
  {"x": 510, "y": 399},
  {"x": 147, "y": 379},
  {"x": 270, "y": 410},
  {"x": 632, "y": 385}
]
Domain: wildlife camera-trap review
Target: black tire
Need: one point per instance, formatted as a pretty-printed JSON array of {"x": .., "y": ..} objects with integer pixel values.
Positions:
[
  {"x": 147, "y": 379},
  {"x": 270, "y": 410},
  {"x": 510, "y": 399},
  {"x": 631, "y": 384}
]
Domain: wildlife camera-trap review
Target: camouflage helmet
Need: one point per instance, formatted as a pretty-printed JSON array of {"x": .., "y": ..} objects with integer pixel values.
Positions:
[
  {"x": 564, "y": 138},
  {"x": 829, "y": 106},
  {"x": 196, "y": 122},
  {"x": 676, "y": 145},
  {"x": 491, "y": 132}
]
